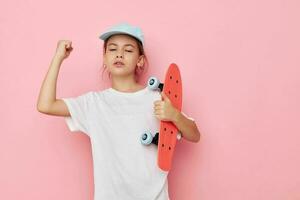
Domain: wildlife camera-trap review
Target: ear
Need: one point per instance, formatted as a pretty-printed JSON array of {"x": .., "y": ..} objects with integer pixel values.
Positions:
[{"x": 141, "y": 60}]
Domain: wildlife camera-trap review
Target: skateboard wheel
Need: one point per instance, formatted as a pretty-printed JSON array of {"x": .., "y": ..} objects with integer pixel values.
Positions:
[
  {"x": 179, "y": 136},
  {"x": 146, "y": 138},
  {"x": 153, "y": 83}
]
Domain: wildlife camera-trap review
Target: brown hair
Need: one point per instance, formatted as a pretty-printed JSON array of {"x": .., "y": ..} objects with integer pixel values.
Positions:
[{"x": 137, "y": 72}]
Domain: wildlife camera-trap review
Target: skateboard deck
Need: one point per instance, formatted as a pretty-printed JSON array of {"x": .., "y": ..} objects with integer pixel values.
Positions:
[{"x": 168, "y": 131}]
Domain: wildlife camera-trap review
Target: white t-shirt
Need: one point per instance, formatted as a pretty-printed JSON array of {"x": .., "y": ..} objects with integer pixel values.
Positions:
[{"x": 124, "y": 169}]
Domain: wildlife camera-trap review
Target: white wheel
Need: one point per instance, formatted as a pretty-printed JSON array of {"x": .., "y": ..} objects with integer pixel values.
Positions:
[
  {"x": 179, "y": 136},
  {"x": 153, "y": 83},
  {"x": 146, "y": 138}
]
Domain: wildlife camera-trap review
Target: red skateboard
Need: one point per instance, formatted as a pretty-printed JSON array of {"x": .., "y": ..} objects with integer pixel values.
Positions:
[{"x": 168, "y": 133}]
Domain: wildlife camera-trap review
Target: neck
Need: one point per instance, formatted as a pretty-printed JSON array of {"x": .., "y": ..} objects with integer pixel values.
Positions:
[{"x": 125, "y": 84}]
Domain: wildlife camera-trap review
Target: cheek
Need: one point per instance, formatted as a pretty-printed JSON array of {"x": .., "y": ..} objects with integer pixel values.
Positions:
[
  {"x": 130, "y": 58},
  {"x": 109, "y": 57},
  {"x": 135, "y": 58}
]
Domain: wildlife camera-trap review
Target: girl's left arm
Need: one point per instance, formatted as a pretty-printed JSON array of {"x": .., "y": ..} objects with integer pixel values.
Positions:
[
  {"x": 164, "y": 110},
  {"x": 186, "y": 126}
]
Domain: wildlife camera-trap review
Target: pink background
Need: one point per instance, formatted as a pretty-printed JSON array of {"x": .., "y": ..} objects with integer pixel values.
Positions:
[{"x": 240, "y": 68}]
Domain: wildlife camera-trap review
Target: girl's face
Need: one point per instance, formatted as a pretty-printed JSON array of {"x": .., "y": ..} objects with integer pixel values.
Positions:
[{"x": 124, "y": 49}]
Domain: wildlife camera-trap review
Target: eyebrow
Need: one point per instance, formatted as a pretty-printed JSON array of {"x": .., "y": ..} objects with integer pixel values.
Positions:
[{"x": 124, "y": 45}]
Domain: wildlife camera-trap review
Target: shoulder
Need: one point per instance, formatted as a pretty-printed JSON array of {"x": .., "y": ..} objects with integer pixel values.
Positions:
[
  {"x": 90, "y": 96},
  {"x": 98, "y": 96}
]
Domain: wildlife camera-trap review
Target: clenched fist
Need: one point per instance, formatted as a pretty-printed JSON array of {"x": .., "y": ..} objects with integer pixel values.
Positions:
[
  {"x": 164, "y": 110},
  {"x": 64, "y": 48}
]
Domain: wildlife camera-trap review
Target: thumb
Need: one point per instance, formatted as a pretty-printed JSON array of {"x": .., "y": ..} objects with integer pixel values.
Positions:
[{"x": 164, "y": 97}]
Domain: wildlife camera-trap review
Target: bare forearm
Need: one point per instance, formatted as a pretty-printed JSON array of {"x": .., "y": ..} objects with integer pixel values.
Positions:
[
  {"x": 47, "y": 93},
  {"x": 187, "y": 127}
]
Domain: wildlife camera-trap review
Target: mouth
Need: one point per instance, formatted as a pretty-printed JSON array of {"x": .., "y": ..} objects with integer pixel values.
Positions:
[{"x": 119, "y": 64}]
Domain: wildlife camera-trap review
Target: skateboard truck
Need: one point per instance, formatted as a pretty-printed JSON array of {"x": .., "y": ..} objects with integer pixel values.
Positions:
[
  {"x": 154, "y": 84},
  {"x": 147, "y": 138}
]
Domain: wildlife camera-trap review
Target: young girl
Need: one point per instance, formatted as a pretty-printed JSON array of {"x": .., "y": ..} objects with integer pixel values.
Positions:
[{"x": 115, "y": 118}]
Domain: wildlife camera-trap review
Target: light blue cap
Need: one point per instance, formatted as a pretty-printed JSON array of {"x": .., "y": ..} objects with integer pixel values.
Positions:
[{"x": 124, "y": 28}]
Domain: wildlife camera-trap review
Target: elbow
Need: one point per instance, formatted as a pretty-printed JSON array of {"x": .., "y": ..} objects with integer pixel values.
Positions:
[
  {"x": 38, "y": 107},
  {"x": 41, "y": 109},
  {"x": 197, "y": 137}
]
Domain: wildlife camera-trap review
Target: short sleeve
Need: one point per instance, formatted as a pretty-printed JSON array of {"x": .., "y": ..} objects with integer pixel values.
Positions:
[
  {"x": 187, "y": 116},
  {"x": 78, "y": 109}
]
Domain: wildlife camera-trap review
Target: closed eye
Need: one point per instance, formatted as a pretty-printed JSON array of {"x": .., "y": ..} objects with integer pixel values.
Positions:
[{"x": 115, "y": 49}]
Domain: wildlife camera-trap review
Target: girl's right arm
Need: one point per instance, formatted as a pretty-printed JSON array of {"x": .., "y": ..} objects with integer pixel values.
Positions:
[{"x": 47, "y": 102}]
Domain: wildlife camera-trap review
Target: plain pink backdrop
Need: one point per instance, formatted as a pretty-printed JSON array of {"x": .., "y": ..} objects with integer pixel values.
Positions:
[{"x": 240, "y": 68}]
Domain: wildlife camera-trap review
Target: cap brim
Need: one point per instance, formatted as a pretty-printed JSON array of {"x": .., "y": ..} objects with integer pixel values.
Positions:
[{"x": 106, "y": 35}]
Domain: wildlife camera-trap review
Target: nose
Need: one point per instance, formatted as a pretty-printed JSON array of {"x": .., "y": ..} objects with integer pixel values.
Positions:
[{"x": 119, "y": 54}]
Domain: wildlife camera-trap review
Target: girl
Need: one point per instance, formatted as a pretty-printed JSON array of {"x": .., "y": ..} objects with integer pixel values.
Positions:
[{"x": 116, "y": 117}]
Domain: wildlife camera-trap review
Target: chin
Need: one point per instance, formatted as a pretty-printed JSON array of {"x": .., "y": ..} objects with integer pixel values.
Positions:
[{"x": 119, "y": 72}]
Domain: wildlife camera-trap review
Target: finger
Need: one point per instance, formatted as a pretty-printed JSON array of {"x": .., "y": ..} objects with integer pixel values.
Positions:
[
  {"x": 165, "y": 97},
  {"x": 157, "y": 102},
  {"x": 160, "y": 103},
  {"x": 69, "y": 44},
  {"x": 158, "y": 112},
  {"x": 158, "y": 106},
  {"x": 157, "y": 115}
]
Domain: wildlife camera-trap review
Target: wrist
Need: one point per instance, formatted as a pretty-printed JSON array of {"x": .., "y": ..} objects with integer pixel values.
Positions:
[
  {"x": 57, "y": 58},
  {"x": 177, "y": 116}
]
